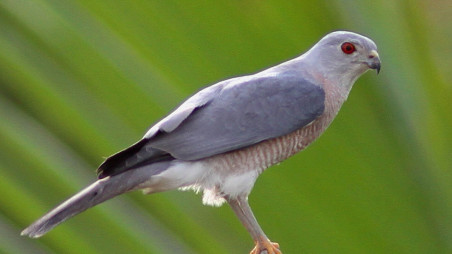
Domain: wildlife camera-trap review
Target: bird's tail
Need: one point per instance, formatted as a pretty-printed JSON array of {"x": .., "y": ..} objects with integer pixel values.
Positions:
[{"x": 92, "y": 195}]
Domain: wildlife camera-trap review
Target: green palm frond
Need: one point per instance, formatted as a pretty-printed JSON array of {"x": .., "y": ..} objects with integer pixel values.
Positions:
[{"x": 80, "y": 80}]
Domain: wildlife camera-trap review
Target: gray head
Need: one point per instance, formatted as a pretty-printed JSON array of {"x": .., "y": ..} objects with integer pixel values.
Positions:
[{"x": 344, "y": 56}]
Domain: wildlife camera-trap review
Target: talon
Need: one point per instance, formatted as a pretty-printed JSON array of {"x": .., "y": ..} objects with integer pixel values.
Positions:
[{"x": 266, "y": 247}]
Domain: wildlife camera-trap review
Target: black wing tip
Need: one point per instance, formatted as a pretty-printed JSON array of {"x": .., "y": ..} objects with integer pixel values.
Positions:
[
  {"x": 137, "y": 155},
  {"x": 113, "y": 164}
]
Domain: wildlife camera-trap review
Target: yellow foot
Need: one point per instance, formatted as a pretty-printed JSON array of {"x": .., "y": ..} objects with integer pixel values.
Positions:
[{"x": 266, "y": 247}]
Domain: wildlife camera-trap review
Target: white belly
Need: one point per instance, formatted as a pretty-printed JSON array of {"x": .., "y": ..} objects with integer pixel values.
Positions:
[{"x": 215, "y": 181}]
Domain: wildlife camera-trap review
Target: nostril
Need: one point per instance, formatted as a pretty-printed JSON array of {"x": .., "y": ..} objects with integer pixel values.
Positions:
[{"x": 371, "y": 56}]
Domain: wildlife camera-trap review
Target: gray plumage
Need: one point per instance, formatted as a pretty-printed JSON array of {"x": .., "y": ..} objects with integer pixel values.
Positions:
[
  {"x": 224, "y": 136},
  {"x": 222, "y": 118},
  {"x": 92, "y": 195},
  {"x": 218, "y": 127}
]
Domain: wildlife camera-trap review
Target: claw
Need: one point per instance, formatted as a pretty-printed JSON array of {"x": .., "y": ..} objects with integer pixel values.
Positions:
[{"x": 266, "y": 247}]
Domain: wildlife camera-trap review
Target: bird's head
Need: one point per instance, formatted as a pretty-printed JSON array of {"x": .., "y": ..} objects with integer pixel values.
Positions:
[{"x": 344, "y": 56}]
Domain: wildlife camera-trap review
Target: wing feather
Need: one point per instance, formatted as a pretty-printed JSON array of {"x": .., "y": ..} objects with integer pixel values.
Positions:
[
  {"x": 230, "y": 115},
  {"x": 242, "y": 115}
]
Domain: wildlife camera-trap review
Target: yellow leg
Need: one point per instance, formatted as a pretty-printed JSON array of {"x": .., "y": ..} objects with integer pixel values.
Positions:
[
  {"x": 266, "y": 247},
  {"x": 243, "y": 211}
]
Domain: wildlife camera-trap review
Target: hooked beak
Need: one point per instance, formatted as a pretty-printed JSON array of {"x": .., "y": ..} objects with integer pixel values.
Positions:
[{"x": 373, "y": 61}]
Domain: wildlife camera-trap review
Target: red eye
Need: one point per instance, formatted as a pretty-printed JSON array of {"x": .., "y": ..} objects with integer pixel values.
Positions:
[{"x": 348, "y": 47}]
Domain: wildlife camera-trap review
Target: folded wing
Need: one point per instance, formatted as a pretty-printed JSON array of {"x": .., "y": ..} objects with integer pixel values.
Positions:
[{"x": 227, "y": 116}]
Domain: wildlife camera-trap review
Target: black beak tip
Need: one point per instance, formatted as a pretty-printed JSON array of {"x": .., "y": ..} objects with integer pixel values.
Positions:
[{"x": 376, "y": 66}]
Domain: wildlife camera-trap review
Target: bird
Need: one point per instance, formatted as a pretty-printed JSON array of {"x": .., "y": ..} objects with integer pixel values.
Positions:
[{"x": 223, "y": 137}]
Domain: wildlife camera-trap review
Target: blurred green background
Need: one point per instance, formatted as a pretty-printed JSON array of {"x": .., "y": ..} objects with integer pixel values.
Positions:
[{"x": 80, "y": 80}]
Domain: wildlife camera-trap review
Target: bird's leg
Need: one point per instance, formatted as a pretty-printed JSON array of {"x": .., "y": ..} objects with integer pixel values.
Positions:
[{"x": 243, "y": 211}]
